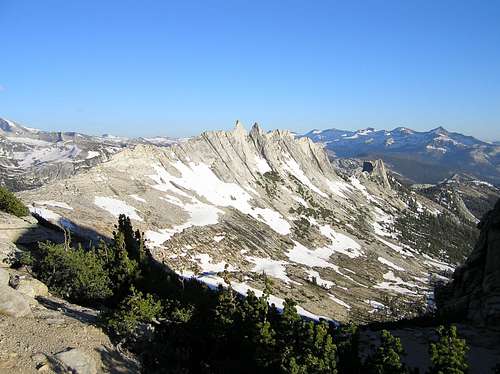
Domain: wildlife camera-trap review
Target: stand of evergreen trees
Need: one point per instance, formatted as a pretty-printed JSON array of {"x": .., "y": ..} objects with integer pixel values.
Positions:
[{"x": 178, "y": 325}]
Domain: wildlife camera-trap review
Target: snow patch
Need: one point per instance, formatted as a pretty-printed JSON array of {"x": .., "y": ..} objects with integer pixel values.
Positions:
[
  {"x": 273, "y": 268},
  {"x": 53, "y": 203},
  {"x": 390, "y": 264},
  {"x": 313, "y": 275},
  {"x": 341, "y": 243},
  {"x": 200, "y": 179},
  {"x": 293, "y": 168},
  {"x": 92, "y": 154},
  {"x": 396, "y": 284},
  {"x": 338, "y": 187},
  {"x": 338, "y": 301},
  {"x": 116, "y": 207},
  {"x": 262, "y": 165},
  {"x": 138, "y": 198}
]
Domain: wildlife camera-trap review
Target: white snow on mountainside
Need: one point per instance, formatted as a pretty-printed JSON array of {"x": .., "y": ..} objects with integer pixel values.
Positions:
[
  {"x": 30, "y": 157},
  {"x": 253, "y": 203}
]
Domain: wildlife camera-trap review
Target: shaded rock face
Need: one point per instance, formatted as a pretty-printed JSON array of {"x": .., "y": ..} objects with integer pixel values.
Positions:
[
  {"x": 474, "y": 293},
  {"x": 367, "y": 166},
  {"x": 377, "y": 171}
]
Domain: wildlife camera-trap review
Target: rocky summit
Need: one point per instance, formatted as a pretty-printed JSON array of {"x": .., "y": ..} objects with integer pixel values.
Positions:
[{"x": 260, "y": 202}]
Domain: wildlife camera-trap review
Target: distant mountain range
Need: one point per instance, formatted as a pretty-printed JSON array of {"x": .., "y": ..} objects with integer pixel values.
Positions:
[
  {"x": 30, "y": 157},
  {"x": 421, "y": 157}
]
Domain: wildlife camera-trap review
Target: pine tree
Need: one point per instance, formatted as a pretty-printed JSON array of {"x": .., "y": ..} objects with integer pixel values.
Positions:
[
  {"x": 123, "y": 271},
  {"x": 387, "y": 358},
  {"x": 448, "y": 353},
  {"x": 134, "y": 241},
  {"x": 347, "y": 341}
]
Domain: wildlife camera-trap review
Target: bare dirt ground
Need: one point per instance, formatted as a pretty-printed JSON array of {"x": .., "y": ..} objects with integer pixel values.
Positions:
[{"x": 56, "y": 326}]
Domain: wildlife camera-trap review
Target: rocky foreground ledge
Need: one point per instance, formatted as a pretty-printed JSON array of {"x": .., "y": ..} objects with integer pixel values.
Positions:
[{"x": 40, "y": 332}]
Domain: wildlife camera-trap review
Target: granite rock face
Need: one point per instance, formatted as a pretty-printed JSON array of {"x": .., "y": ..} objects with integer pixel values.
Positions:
[
  {"x": 474, "y": 293},
  {"x": 77, "y": 361},
  {"x": 257, "y": 202}
]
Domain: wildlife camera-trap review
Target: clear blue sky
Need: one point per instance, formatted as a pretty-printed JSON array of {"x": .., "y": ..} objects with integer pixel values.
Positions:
[{"x": 179, "y": 67}]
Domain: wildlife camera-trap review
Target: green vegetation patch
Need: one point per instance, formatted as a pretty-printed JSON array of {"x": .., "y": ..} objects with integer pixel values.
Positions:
[{"x": 11, "y": 204}]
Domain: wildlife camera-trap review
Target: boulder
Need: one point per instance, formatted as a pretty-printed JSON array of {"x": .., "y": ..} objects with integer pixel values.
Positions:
[
  {"x": 31, "y": 287},
  {"x": 4, "y": 277},
  {"x": 13, "y": 303},
  {"x": 8, "y": 253},
  {"x": 77, "y": 361}
]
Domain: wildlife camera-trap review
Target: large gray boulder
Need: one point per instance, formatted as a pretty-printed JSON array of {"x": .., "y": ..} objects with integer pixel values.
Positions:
[
  {"x": 77, "y": 361},
  {"x": 13, "y": 303},
  {"x": 31, "y": 287}
]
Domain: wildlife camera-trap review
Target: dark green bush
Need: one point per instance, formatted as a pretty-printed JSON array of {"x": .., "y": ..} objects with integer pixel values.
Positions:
[
  {"x": 73, "y": 273},
  {"x": 387, "y": 357},
  {"x": 448, "y": 353},
  {"x": 134, "y": 309},
  {"x": 11, "y": 204}
]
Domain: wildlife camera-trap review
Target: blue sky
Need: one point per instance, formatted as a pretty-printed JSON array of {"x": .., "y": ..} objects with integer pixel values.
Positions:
[{"x": 180, "y": 67}]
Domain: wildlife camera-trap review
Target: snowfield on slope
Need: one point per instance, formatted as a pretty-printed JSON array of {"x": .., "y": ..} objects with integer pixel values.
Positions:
[
  {"x": 200, "y": 179},
  {"x": 116, "y": 207}
]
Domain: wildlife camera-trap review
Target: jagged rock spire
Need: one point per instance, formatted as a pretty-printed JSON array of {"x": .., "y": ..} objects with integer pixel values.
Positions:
[
  {"x": 239, "y": 130},
  {"x": 256, "y": 130}
]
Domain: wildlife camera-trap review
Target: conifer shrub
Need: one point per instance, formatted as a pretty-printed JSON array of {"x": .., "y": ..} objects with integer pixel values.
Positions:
[
  {"x": 11, "y": 204},
  {"x": 449, "y": 353},
  {"x": 73, "y": 273},
  {"x": 134, "y": 309},
  {"x": 387, "y": 357}
]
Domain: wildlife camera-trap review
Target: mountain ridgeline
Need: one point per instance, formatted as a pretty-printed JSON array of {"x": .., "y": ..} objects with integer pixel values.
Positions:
[
  {"x": 420, "y": 157},
  {"x": 30, "y": 157},
  {"x": 254, "y": 202},
  {"x": 254, "y": 251}
]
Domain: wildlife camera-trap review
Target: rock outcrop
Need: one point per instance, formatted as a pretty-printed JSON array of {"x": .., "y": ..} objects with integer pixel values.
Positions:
[
  {"x": 48, "y": 334},
  {"x": 13, "y": 303},
  {"x": 257, "y": 202},
  {"x": 23, "y": 231},
  {"x": 376, "y": 170},
  {"x": 77, "y": 361},
  {"x": 474, "y": 293}
]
